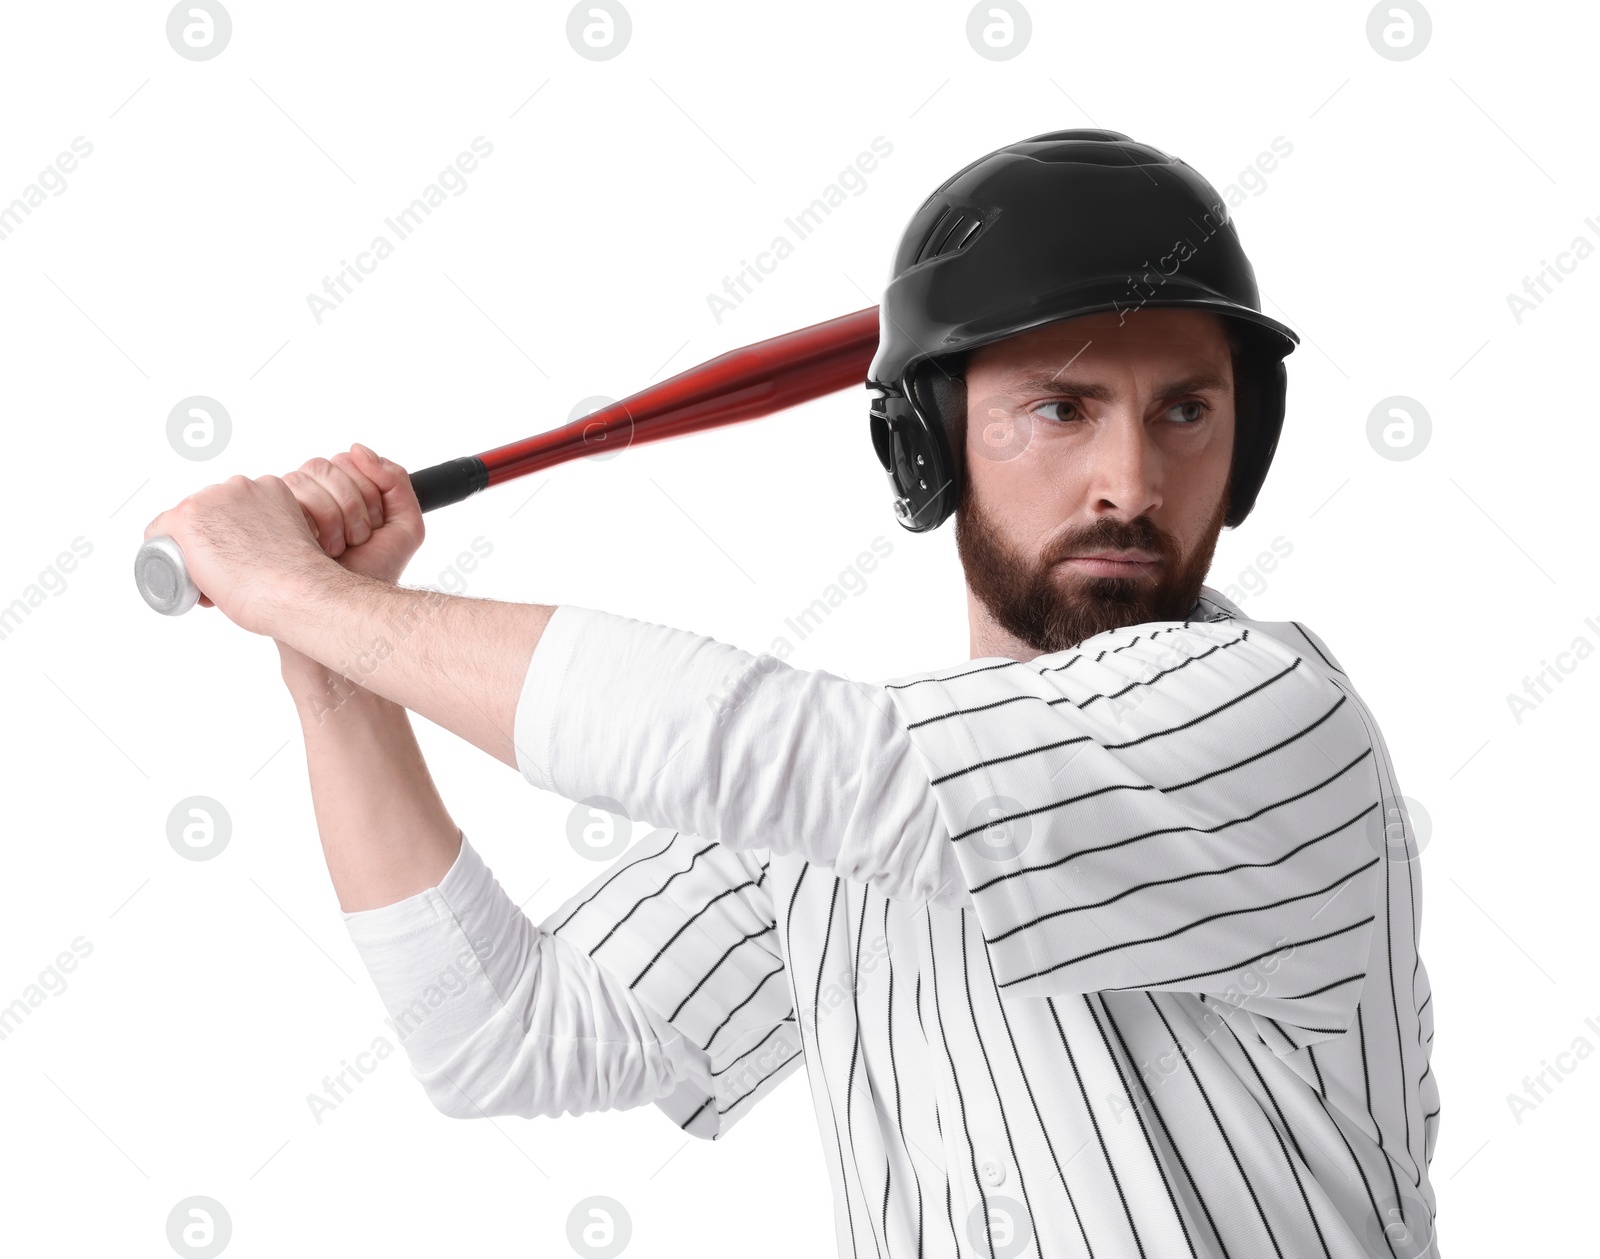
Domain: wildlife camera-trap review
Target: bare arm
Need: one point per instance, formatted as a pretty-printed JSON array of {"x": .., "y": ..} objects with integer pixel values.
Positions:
[
  {"x": 311, "y": 560},
  {"x": 458, "y": 661},
  {"x": 385, "y": 832}
]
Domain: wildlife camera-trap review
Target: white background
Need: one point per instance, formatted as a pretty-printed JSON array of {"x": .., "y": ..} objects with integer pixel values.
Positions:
[{"x": 578, "y": 261}]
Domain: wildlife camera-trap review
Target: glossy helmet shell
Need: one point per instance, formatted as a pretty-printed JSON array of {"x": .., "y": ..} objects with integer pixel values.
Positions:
[{"x": 1063, "y": 224}]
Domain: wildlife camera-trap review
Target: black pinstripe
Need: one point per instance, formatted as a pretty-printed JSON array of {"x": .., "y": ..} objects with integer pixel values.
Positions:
[{"x": 1210, "y": 835}]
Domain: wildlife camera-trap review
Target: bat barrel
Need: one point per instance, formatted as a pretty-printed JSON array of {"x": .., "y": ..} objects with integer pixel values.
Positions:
[{"x": 755, "y": 380}]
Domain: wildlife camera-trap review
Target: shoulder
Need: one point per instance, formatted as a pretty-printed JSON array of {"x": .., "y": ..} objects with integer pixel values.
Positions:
[
  {"x": 1214, "y": 624},
  {"x": 1212, "y": 605}
]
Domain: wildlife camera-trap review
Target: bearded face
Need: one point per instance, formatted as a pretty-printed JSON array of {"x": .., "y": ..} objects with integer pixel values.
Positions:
[
  {"x": 1098, "y": 465},
  {"x": 1052, "y": 605}
]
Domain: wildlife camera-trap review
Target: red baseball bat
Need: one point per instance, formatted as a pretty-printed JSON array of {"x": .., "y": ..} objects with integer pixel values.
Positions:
[{"x": 743, "y": 384}]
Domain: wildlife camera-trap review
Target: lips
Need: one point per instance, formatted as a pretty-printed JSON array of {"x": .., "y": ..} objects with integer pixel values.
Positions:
[
  {"x": 1122, "y": 557},
  {"x": 1113, "y": 563}
]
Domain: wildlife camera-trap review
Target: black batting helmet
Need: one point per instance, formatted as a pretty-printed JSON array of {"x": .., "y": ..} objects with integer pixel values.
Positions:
[{"x": 1063, "y": 224}]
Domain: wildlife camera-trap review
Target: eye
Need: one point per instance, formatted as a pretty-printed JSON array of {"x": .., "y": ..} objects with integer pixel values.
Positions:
[
  {"x": 1040, "y": 410},
  {"x": 1190, "y": 402}
]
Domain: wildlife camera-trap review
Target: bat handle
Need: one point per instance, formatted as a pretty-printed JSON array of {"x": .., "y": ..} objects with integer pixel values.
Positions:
[
  {"x": 164, "y": 580},
  {"x": 162, "y": 577}
]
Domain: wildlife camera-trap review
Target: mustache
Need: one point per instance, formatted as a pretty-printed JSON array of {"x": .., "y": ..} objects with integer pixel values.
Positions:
[{"x": 1115, "y": 535}]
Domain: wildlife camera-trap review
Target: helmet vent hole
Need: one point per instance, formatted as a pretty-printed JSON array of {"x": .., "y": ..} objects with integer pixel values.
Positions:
[{"x": 952, "y": 231}]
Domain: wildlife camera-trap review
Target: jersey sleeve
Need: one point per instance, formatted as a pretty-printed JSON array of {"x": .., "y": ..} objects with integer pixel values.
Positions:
[
  {"x": 687, "y": 927},
  {"x": 1185, "y": 807},
  {"x": 688, "y": 733},
  {"x": 498, "y": 1017}
]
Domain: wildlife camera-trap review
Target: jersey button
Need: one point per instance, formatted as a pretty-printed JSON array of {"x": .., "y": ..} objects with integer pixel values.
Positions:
[{"x": 993, "y": 1172}]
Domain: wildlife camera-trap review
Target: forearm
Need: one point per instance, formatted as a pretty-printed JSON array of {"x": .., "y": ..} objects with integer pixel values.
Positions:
[
  {"x": 458, "y": 662},
  {"x": 385, "y": 832}
]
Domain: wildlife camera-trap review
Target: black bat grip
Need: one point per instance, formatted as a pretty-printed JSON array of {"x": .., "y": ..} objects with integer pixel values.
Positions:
[{"x": 450, "y": 482}]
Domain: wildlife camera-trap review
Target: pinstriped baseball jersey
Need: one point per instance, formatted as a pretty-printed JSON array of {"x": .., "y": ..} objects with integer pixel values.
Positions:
[{"x": 1186, "y": 1014}]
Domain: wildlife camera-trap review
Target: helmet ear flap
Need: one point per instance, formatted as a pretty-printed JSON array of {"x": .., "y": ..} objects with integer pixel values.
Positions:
[
  {"x": 941, "y": 389},
  {"x": 910, "y": 435},
  {"x": 1261, "y": 393}
]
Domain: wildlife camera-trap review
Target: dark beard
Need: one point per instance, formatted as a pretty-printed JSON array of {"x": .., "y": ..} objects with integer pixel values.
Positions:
[{"x": 1053, "y": 611}]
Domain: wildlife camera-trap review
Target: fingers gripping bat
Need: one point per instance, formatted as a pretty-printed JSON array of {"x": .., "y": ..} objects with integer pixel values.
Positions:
[{"x": 743, "y": 384}]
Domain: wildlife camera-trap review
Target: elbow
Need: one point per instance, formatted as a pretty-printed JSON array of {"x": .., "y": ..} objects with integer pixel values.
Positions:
[
  {"x": 482, "y": 1094},
  {"x": 453, "y": 1102},
  {"x": 451, "y": 1110}
]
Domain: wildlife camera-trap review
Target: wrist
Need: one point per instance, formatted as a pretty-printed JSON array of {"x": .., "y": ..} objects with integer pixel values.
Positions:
[
  {"x": 295, "y": 666},
  {"x": 303, "y": 601},
  {"x": 319, "y": 691}
]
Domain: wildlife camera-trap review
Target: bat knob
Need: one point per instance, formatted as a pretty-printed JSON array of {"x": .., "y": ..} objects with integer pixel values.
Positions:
[{"x": 163, "y": 579}]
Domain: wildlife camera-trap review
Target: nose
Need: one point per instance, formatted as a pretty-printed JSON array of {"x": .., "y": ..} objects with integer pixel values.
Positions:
[{"x": 1123, "y": 467}]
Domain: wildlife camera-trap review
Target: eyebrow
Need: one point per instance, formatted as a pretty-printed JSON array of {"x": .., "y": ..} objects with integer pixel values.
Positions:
[{"x": 1196, "y": 383}]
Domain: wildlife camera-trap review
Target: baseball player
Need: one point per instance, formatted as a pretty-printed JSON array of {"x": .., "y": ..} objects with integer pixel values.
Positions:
[{"x": 1100, "y": 943}]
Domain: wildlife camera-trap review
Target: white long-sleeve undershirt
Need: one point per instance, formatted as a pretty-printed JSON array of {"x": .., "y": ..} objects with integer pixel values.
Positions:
[{"x": 501, "y": 1017}]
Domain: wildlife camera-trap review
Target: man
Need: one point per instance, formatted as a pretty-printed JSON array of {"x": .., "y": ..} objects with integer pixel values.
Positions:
[{"x": 1102, "y": 943}]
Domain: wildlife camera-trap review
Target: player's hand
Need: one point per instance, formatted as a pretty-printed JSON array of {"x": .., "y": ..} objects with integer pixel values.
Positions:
[
  {"x": 248, "y": 546},
  {"x": 362, "y": 509}
]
